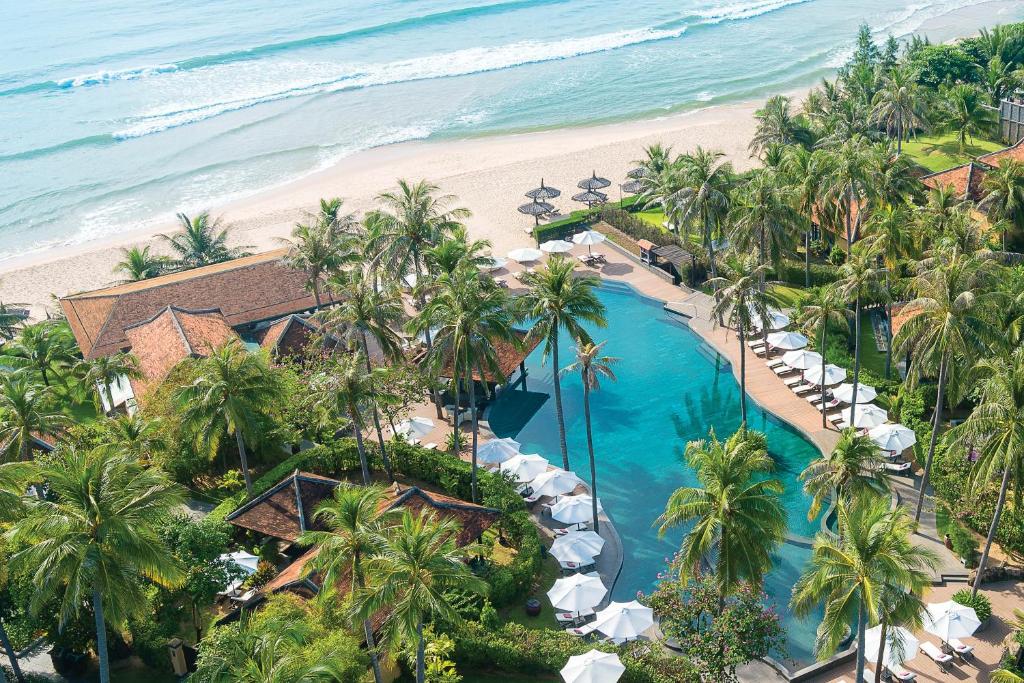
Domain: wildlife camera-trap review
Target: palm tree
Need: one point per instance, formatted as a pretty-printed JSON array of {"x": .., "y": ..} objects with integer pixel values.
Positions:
[
  {"x": 846, "y": 183},
  {"x": 316, "y": 251},
  {"x": 558, "y": 299},
  {"x": 46, "y": 347},
  {"x": 763, "y": 218},
  {"x": 470, "y": 318},
  {"x": 457, "y": 251},
  {"x": 233, "y": 390},
  {"x": 853, "y": 468},
  {"x": 414, "y": 577},
  {"x": 899, "y": 106},
  {"x": 998, "y": 78},
  {"x": 201, "y": 242},
  {"x": 852, "y": 573},
  {"x": 737, "y": 515},
  {"x": 951, "y": 323},
  {"x": 740, "y": 302},
  {"x": 996, "y": 429},
  {"x": 96, "y": 537},
  {"x": 823, "y": 310},
  {"x": 356, "y": 522},
  {"x": 139, "y": 264},
  {"x": 103, "y": 372},
  {"x": 891, "y": 231},
  {"x": 965, "y": 113},
  {"x": 860, "y": 280},
  {"x": 894, "y": 178},
  {"x": 12, "y": 319},
  {"x": 657, "y": 157},
  {"x": 14, "y": 481},
  {"x": 26, "y": 410},
  {"x": 703, "y": 198},
  {"x": 137, "y": 437},
  {"x": 591, "y": 366},
  {"x": 777, "y": 125},
  {"x": 804, "y": 172},
  {"x": 1004, "y": 195},
  {"x": 347, "y": 389}
]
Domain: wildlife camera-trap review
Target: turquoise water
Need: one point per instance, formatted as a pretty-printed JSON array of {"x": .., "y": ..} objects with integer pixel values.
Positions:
[
  {"x": 116, "y": 113},
  {"x": 671, "y": 389}
]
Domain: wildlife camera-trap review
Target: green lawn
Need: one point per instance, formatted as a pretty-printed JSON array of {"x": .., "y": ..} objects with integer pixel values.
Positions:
[
  {"x": 654, "y": 216},
  {"x": 939, "y": 152},
  {"x": 549, "y": 573},
  {"x": 870, "y": 357},
  {"x": 787, "y": 294}
]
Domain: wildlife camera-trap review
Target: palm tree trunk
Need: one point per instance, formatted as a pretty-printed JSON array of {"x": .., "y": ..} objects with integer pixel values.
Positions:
[
  {"x": 475, "y": 427},
  {"x": 456, "y": 414},
  {"x": 936, "y": 421},
  {"x": 881, "y": 650},
  {"x": 371, "y": 646},
  {"x": 888, "y": 326},
  {"x": 376, "y": 416},
  {"x": 824, "y": 422},
  {"x": 856, "y": 358},
  {"x": 590, "y": 450},
  {"x": 743, "y": 377},
  {"x": 11, "y": 656},
  {"x": 101, "y": 636},
  {"x": 861, "y": 618},
  {"x": 849, "y": 208},
  {"x": 760, "y": 259},
  {"x": 421, "y": 655},
  {"x": 807, "y": 258},
  {"x": 244, "y": 458},
  {"x": 558, "y": 400},
  {"x": 992, "y": 530},
  {"x": 426, "y": 333},
  {"x": 363, "y": 463},
  {"x": 315, "y": 285}
]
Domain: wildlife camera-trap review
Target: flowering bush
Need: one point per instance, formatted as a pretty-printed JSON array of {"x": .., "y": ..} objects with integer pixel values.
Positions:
[{"x": 715, "y": 634}]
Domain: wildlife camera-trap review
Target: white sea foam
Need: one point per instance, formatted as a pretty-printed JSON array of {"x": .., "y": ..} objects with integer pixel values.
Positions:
[
  {"x": 744, "y": 10},
  {"x": 116, "y": 75},
  {"x": 444, "y": 65}
]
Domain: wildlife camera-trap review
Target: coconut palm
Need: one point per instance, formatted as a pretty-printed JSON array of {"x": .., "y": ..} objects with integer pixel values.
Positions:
[
  {"x": 1004, "y": 195},
  {"x": 763, "y": 219},
  {"x": 657, "y": 157},
  {"x": 315, "y": 249},
  {"x": 457, "y": 251},
  {"x": 899, "y": 609},
  {"x": 232, "y": 392},
  {"x": 415, "y": 576},
  {"x": 804, "y": 171},
  {"x": 736, "y": 511},
  {"x": 559, "y": 299},
  {"x": 899, "y": 106},
  {"x": 137, "y": 437},
  {"x": 101, "y": 373},
  {"x": 853, "y": 467},
  {"x": 140, "y": 264},
  {"x": 47, "y": 348},
  {"x": 741, "y": 301},
  {"x": 592, "y": 366},
  {"x": 995, "y": 428},
  {"x": 891, "y": 231},
  {"x": 12, "y": 319},
  {"x": 26, "y": 410},
  {"x": 964, "y": 113},
  {"x": 201, "y": 242},
  {"x": 95, "y": 536},
  {"x": 345, "y": 390},
  {"x": 846, "y": 184},
  {"x": 824, "y": 310},
  {"x": 704, "y": 196},
  {"x": 997, "y": 78},
  {"x": 860, "y": 279},
  {"x": 660, "y": 189},
  {"x": 951, "y": 322},
  {"x": 355, "y": 520},
  {"x": 471, "y": 318},
  {"x": 894, "y": 178},
  {"x": 854, "y": 572},
  {"x": 777, "y": 125}
]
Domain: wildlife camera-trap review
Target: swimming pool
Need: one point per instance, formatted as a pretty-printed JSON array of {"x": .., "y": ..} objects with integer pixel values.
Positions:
[{"x": 671, "y": 389}]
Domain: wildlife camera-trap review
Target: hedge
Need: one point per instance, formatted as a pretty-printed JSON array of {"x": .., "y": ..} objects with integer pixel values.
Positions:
[{"x": 792, "y": 272}]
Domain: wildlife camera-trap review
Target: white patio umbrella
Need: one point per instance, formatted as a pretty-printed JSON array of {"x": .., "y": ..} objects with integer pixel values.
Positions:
[
  {"x": 497, "y": 451},
  {"x": 624, "y": 620},
  {"x": 580, "y": 547},
  {"x": 496, "y": 263},
  {"x": 589, "y": 238},
  {"x": 833, "y": 374},
  {"x": 787, "y": 340},
  {"x": 574, "y": 509},
  {"x": 415, "y": 428},
  {"x": 410, "y": 280},
  {"x": 555, "y": 483},
  {"x": 776, "y": 320},
  {"x": 900, "y": 646},
  {"x": 593, "y": 667},
  {"x": 951, "y": 620},
  {"x": 802, "y": 359},
  {"x": 246, "y": 562},
  {"x": 556, "y": 246},
  {"x": 866, "y": 416},
  {"x": 525, "y": 466},
  {"x": 577, "y": 592},
  {"x": 893, "y": 437},
  {"x": 865, "y": 393},
  {"x": 525, "y": 254}
]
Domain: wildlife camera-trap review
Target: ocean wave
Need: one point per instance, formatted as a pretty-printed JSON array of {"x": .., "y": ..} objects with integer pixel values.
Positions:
[
  {"x": 444, "y": 65},
  {"x": 88, "y": 141},
  {"x": 116, "y": 75},
  {"x": 744, "y": 10}
]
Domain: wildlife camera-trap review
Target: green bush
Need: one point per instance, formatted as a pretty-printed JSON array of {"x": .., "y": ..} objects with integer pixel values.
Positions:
[
  {"x": 792, "y": 272},
  {"x": 638, "y": 229},
  {"x": 965, "y": 544},
  {"x": 275, "y": 475},
  {"x": 980, "y": 603}
]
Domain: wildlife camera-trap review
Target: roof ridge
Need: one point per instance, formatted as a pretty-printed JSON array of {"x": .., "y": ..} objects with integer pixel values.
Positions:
[{"x": 173, "y": 308}]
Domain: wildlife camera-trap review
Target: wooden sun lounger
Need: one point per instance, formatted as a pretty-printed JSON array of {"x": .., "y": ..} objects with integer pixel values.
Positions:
[
  {"x": 774, "y": 362},
  {"x": 960, "y": 649},
  {"x": 753, "y": 343},
  {"x": 937, "y": 655},
  {"x": 784, "y": 370},
  {"x": 897, "y": 466},
  {"x": 802, "y": 389},
  {"x": 582, "y": 631},
  {"x": 791, "y": 382},
  {"x": 903, "y": 675}
]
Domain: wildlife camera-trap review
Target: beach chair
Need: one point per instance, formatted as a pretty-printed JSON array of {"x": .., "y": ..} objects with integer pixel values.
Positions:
[
  {"x": 784, "y": 370},
  {"x": 430, "y": 446},
  {"x": 869, "y": 676},
  {"x": 600, "y": 258},
  {"x": 897, "y": 466},
  {"x": 582, "y": 631},
  {"x": 574, "y": 617},
  {"x": 959, "y": 648},
  {"x": 903, "y": 675},
  {"x": 754, "y": 343},
  {"x": 793, "y": 381},
  {"x": 531, "y": 499},
  {"x": 774, "y": 362},
  {"x": 579, "y": 526},
  {"x": 802, "y": 389},
  {"x": 244, "y": 597},
  {"x": 936, "y": 655}
]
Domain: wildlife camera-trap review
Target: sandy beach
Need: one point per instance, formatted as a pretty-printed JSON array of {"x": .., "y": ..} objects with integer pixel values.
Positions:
[{"x": 488, "y": 175}]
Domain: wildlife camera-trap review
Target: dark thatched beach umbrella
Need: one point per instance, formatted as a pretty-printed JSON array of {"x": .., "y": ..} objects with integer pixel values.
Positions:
[
  {"x": 593, "y": 183},
  {"x": 543, "y": 192},
  {"x": 590, "y": 197},
  {"x": 536, "y": 209},
  {"x": 637, "y": 173},
  {"x": 632, "y": 187}
]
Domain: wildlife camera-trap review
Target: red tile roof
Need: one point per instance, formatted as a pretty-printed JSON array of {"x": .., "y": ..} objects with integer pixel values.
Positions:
[
  {"x": 246, "y": 290},
  {"x": 276, "y": 512},
  {"x": 965, "y": 180},
  {"x": 289, "y": 335},
  {"x": 1015, "y": 152},
  {"x": 171, "y": 336},
  {"x": 509, "y": 357}
]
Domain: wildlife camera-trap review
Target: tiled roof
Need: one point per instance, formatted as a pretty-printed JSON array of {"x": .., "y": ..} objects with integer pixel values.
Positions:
[
  {"x": 289, "y": 335},
  {"x": 965, "y": 180},
  {"x": 171, "y": 336},
  {"x": 1015, "y": 152},
  {"x": 509, "y": 357},
  {"x": 276, "y": 512},
  {"x": 246, "y": 290}
]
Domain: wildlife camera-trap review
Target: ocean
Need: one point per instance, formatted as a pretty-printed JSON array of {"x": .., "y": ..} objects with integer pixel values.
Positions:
[{"x": 114, "y": 115}]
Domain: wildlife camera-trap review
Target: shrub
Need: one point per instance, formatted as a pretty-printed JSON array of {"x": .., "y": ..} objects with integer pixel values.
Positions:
[
  {"x": 635, "y": 227},
  {"x": 965, "y": 545},
  {"x": 792, "y": 272},
  {"x": 981, "y": 605}
]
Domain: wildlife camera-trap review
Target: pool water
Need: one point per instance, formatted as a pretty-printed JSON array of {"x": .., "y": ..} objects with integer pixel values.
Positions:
[{"x": 672, "y": 388}]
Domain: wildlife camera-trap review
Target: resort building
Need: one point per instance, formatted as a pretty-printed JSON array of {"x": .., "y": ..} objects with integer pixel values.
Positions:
[
  {"x": 1011, "y": 120},
  {"x": 258, "y": 299},
  {"x": 967, "y": 179}
]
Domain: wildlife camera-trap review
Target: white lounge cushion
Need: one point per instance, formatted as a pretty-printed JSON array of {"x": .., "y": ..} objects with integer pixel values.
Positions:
[{"x": 935, "y": 653}]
